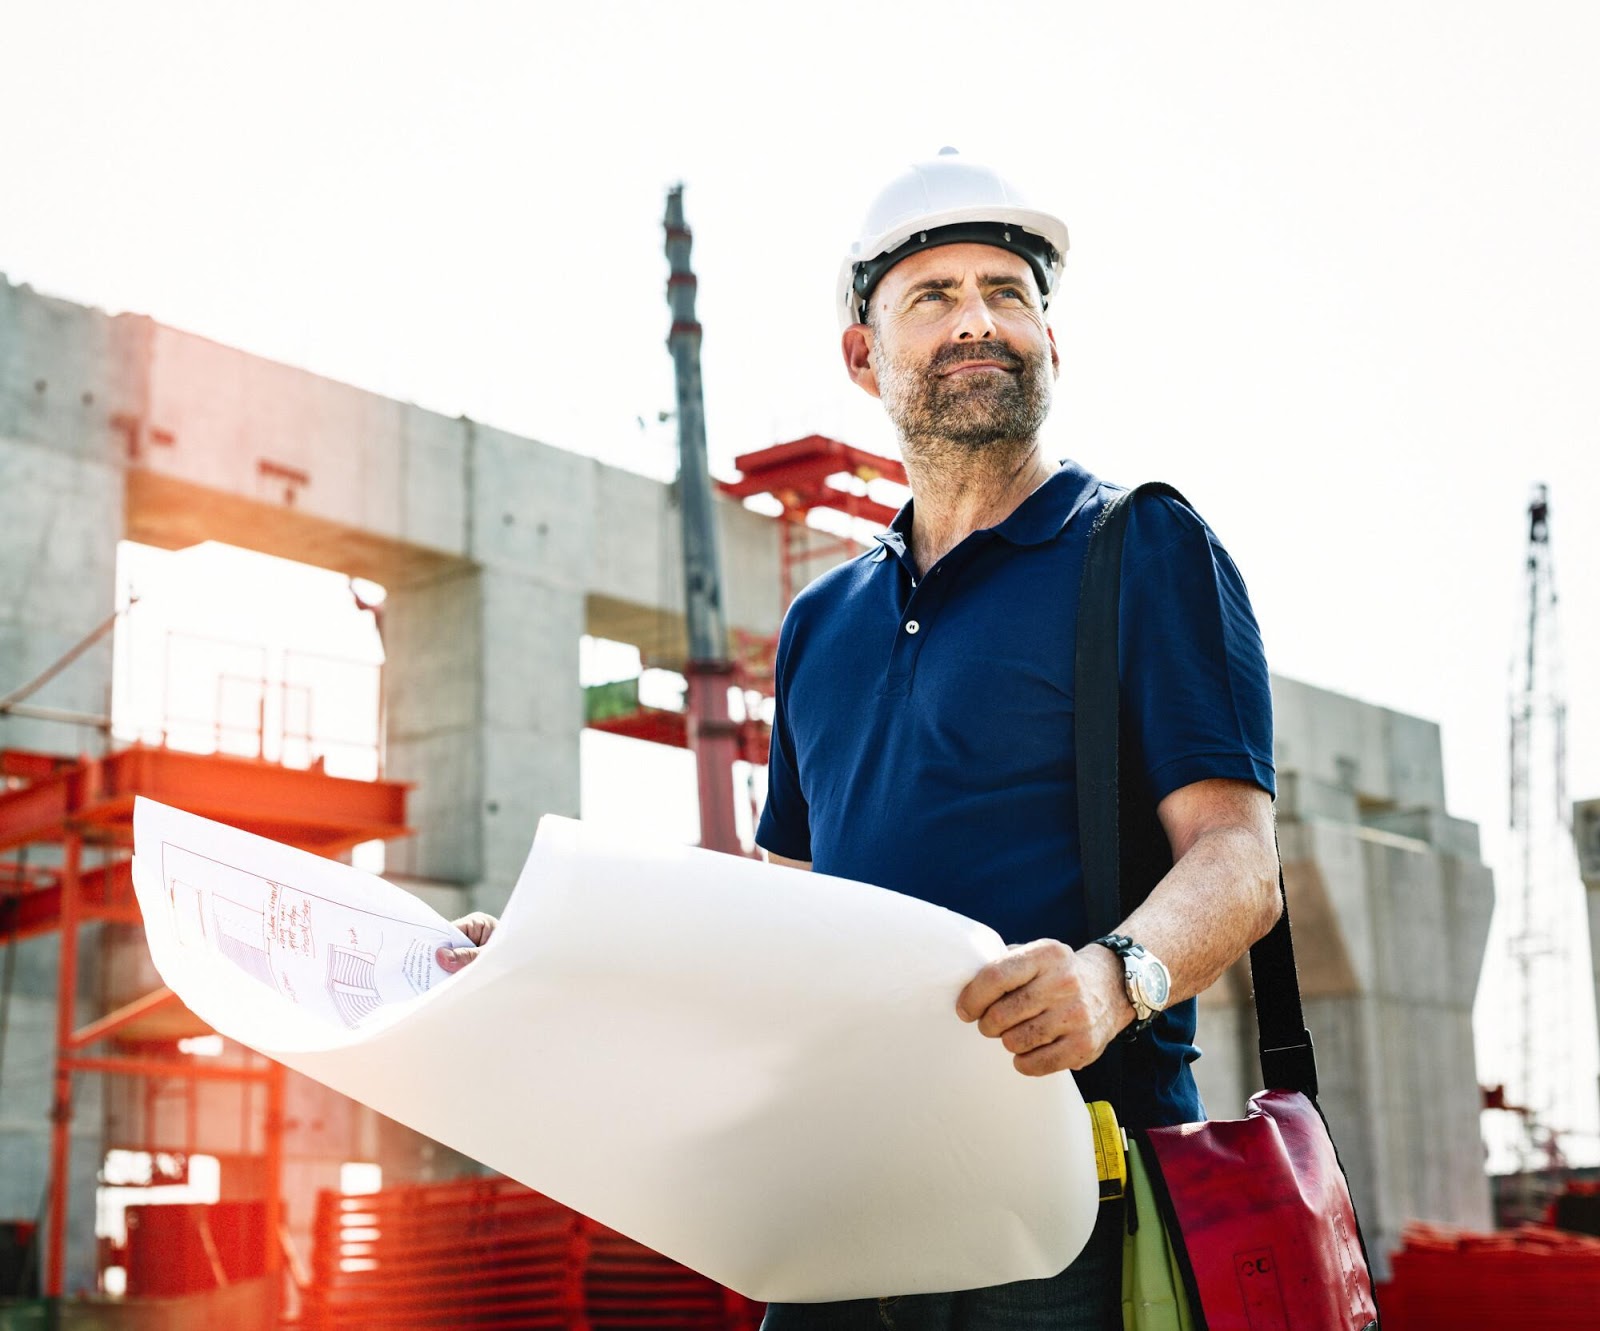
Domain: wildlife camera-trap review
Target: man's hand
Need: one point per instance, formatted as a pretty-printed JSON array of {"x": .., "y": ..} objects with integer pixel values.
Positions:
[
  {"x": 1053, "y": 1008},
  {"x": 477, "y": 926}
]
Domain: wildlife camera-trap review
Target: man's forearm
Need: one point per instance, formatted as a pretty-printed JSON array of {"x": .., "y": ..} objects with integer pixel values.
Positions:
[{"x": 1217, "y": 899}]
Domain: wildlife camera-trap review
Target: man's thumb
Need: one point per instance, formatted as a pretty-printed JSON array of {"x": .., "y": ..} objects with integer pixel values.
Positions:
[{"x": 454, "y": 958}]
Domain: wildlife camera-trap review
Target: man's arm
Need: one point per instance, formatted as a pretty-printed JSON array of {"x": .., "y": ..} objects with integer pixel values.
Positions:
[
  {"x": 785, "y": 861},
  {"x": 1055, "y": 1009}
]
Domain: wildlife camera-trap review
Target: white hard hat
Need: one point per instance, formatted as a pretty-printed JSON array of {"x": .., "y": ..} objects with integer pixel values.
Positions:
[{"x": 945, "y": 201}]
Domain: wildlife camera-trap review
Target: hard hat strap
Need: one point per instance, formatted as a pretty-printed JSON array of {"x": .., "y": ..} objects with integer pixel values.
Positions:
[{"x": 1040, "y": 254}]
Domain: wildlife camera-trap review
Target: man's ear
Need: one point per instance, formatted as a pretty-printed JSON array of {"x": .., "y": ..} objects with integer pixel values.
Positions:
[
  {"x": 1055, "y": 356},
  {"x": 857, "y": 347}
]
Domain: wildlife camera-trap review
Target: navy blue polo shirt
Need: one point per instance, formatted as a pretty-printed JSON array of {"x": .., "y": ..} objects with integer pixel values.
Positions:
[{"x": 923, "y": 734}]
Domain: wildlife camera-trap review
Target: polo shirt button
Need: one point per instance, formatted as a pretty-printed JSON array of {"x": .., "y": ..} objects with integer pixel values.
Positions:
[{"x": 912, "y": 626}]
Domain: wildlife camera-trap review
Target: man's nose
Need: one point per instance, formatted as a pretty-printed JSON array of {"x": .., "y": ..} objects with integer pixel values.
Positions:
[{"x": 973, "y": 321}]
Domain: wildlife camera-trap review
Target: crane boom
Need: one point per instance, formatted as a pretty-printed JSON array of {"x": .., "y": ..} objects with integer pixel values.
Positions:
[{"x": 712, "y": 733}]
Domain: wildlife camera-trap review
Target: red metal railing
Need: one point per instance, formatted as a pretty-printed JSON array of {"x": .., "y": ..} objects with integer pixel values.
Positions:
[{"x": 478, "y": 1253}]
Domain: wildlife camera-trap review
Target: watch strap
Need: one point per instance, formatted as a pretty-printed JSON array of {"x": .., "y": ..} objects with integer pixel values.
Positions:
[{"x": 1125, "y": 948}]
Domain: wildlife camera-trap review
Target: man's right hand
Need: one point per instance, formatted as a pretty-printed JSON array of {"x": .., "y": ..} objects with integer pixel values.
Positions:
[{"x": 477, "y": 926}]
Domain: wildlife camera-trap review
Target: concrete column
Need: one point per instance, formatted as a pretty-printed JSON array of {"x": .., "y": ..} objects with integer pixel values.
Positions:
[
  {"x": 69, "y": 386},
  {"x": 484, "y": 713},
  {"x": 71, "y": 383},
  {"x": 1586, "y": 838},
  {"x": 533, "y": 718},
  {"x": 433, "y": 707}
]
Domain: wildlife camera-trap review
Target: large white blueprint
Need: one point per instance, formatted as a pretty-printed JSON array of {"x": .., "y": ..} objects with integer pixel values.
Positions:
[{"x": 757, "y": 1071}]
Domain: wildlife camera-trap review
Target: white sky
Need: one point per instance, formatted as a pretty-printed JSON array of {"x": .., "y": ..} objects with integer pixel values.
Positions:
[{"x": 1333, "y": 272}]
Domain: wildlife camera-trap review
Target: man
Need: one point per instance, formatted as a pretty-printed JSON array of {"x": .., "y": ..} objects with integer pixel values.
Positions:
[{"x": 923, "y": 736}]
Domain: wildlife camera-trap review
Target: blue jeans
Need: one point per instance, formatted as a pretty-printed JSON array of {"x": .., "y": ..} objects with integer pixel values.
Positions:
[{"x": 1087, "y": 1296}]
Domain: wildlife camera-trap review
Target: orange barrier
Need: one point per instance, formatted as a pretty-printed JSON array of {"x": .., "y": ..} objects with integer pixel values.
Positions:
[
  {"x": 1527, "y": 1277},
  {"x": 480, "y": 1253}
]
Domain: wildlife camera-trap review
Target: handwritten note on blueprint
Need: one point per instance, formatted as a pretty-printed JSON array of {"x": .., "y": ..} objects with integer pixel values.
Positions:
[
  {"x": 338, "y": 946},
  {"x": 757, "y": 1071}
]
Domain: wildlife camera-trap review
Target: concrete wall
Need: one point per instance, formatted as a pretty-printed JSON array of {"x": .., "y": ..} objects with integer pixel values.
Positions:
[{"x": 1390, "y": 905}]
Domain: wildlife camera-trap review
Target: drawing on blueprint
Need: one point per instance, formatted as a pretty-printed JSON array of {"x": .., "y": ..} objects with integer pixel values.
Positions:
[{"x": 328, "y": 951}]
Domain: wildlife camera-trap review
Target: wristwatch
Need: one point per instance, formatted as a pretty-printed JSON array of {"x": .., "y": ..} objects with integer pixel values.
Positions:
[{"x": 1147, "y": 980}]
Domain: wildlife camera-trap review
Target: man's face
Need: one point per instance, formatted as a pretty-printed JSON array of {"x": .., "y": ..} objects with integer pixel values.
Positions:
[{"x": 957, "y": 347}]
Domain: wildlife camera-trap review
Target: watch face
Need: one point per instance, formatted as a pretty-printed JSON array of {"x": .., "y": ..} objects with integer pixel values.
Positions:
[
  {"x": 1155, "y": 982},
  {"x": 1158, "y": 985}
]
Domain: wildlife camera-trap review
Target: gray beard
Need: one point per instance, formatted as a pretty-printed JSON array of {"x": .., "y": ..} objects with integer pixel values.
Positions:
[{"x": 972, "y": 412}]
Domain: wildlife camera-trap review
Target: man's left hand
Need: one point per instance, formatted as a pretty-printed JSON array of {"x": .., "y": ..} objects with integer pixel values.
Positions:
[
  {"x": 1053, "y": 1008},
  {"x": 477, "y": 926}
]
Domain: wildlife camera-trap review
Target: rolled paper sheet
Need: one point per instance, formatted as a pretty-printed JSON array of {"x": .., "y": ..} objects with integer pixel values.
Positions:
[{"x": 756, "y": 1071}]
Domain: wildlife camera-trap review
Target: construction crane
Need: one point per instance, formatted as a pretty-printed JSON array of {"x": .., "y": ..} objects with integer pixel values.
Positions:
[
  {"x": 1540, "y": 831},
  {"x": 713, "y": 734}
]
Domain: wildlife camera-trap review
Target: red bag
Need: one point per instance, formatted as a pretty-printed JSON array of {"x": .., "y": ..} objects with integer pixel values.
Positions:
[
  {"x": 1261, "y": 1219},
  {"x": 1257, "y": 1209}
]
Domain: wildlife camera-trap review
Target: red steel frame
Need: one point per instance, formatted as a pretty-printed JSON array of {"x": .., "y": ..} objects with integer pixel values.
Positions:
[
  {"x": 799, "y": 475},
  {"x": 47, "y": 799}
]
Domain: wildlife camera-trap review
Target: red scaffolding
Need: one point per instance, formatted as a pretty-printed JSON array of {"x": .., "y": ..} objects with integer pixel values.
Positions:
[
  {"x": 809, "y": 474},
  {"x": 803, "y": 476},
  {"x": 86, "y": 802}
]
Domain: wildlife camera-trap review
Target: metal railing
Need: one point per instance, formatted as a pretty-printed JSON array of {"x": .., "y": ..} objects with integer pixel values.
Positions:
[{"x": 221, "y": 696}]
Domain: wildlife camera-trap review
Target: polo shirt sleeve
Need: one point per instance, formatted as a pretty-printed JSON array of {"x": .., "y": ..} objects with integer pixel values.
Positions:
[
  {"x": 785, "y": 827},
  {"x": 1194, "y": 674}
]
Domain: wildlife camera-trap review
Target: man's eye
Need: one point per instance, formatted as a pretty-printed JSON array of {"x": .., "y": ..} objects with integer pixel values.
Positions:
[{"x": 1014, "y": 292}]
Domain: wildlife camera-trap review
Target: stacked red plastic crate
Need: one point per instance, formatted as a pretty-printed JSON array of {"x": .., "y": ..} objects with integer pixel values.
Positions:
[
  {"x": 1528, "y": 1277},
  {"x": 481, "y": 1253}
]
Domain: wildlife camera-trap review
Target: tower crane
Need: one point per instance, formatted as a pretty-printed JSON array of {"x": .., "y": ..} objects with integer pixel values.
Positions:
[{"x": 1540, "y": 935}]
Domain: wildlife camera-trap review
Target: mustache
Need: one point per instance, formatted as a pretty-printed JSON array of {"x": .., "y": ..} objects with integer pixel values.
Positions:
[{"x": 958, "y": 352}]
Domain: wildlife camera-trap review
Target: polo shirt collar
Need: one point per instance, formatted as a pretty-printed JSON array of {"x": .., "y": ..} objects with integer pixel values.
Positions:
[{"x": 1037, "y": 519}]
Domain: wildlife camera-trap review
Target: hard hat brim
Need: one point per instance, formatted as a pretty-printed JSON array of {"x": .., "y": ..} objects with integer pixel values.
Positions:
[{"x": 948, "y": 227}]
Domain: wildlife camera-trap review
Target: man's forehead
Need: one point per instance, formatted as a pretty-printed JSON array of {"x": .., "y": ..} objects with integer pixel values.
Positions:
[{"x": 956, "y": 262}]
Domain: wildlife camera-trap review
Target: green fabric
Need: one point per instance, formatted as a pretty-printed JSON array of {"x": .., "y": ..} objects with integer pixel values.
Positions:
[
  {"x": 1153, "y": 1297},
  {"x": 605, "y": 702}
]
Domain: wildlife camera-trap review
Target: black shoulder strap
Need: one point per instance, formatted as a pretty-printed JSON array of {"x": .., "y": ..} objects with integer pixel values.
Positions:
[{"x": 1125, "y": 852}]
